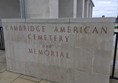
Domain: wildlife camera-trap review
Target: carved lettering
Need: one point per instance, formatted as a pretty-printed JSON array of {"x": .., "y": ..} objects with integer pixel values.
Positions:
[
  {"x": 104, "y": 30},
  {"x": 51, "y": 53},
  {"x": 95, "y": 30}
]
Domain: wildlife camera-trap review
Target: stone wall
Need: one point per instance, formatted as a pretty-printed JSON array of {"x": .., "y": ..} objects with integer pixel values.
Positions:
[{"x": 62, "y": 50}]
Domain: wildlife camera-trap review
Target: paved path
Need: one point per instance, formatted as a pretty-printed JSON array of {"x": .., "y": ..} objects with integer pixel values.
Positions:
[
  {"x": 10, "y": 77},
  {"x": 113, "y": 81}
]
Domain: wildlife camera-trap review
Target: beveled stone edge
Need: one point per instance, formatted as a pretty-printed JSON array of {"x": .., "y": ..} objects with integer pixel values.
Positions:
[
  {"x": 61, "y": 20},
  {"x": 106, "y": 19}
]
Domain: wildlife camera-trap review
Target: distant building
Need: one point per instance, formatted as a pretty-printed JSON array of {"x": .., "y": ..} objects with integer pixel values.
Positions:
[
  {"x": 116, "y": 23},
  {"x": 116, "y": 20},
  {"x": 45, "y": 8}
]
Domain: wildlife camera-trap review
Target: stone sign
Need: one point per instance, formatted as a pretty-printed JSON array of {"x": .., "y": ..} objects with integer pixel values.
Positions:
[{"x": 61, "y": 50}]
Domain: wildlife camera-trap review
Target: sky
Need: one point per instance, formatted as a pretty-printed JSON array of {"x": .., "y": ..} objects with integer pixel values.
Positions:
[{"x": 108, "y": 8}]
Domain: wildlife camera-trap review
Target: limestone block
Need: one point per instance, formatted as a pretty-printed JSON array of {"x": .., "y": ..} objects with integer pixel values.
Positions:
[
  {"x": 61, "y": 50},
  {"x": 20, "y": 80}
]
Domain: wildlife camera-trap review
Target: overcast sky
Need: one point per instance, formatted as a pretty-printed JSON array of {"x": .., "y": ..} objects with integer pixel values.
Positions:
[{"x": 109, "y": 8}]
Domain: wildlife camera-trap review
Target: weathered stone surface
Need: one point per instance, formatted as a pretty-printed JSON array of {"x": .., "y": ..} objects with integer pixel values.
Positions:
[
  {"x": 113, "y": 81},
  {"x": 30, "y": 78},
  {"x": 45, "y": 81},
  {"x": 20, "y": 80},
  {"x": 65, "y": 51},
  {"x": 8, "y": 77},
  {"x": 41, "y": 9}
]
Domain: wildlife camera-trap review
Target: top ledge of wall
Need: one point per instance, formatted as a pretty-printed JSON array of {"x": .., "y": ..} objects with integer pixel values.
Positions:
[
  {"x": 62, "y": 20},
  {"x": 13, "y": 20},
  {"x": 106, "y": 19}
]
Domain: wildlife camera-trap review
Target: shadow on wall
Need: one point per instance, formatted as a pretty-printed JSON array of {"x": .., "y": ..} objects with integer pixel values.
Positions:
[{"x": 9, "y": 9}]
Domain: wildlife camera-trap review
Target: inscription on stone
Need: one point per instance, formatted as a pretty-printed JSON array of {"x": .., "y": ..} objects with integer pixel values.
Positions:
[{"x": 73, "y": 51}]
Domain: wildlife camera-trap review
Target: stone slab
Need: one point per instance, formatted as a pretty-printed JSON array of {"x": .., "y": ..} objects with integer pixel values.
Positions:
[
  {"x": 30, "y": 78},
  {"x": 45, "y": 81},
  {"x": 61, "y": 50},
  {"x": 8, "y": 77},
  {"x": 20, "y": 80},
  {"x": 113, "y": 81}
]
